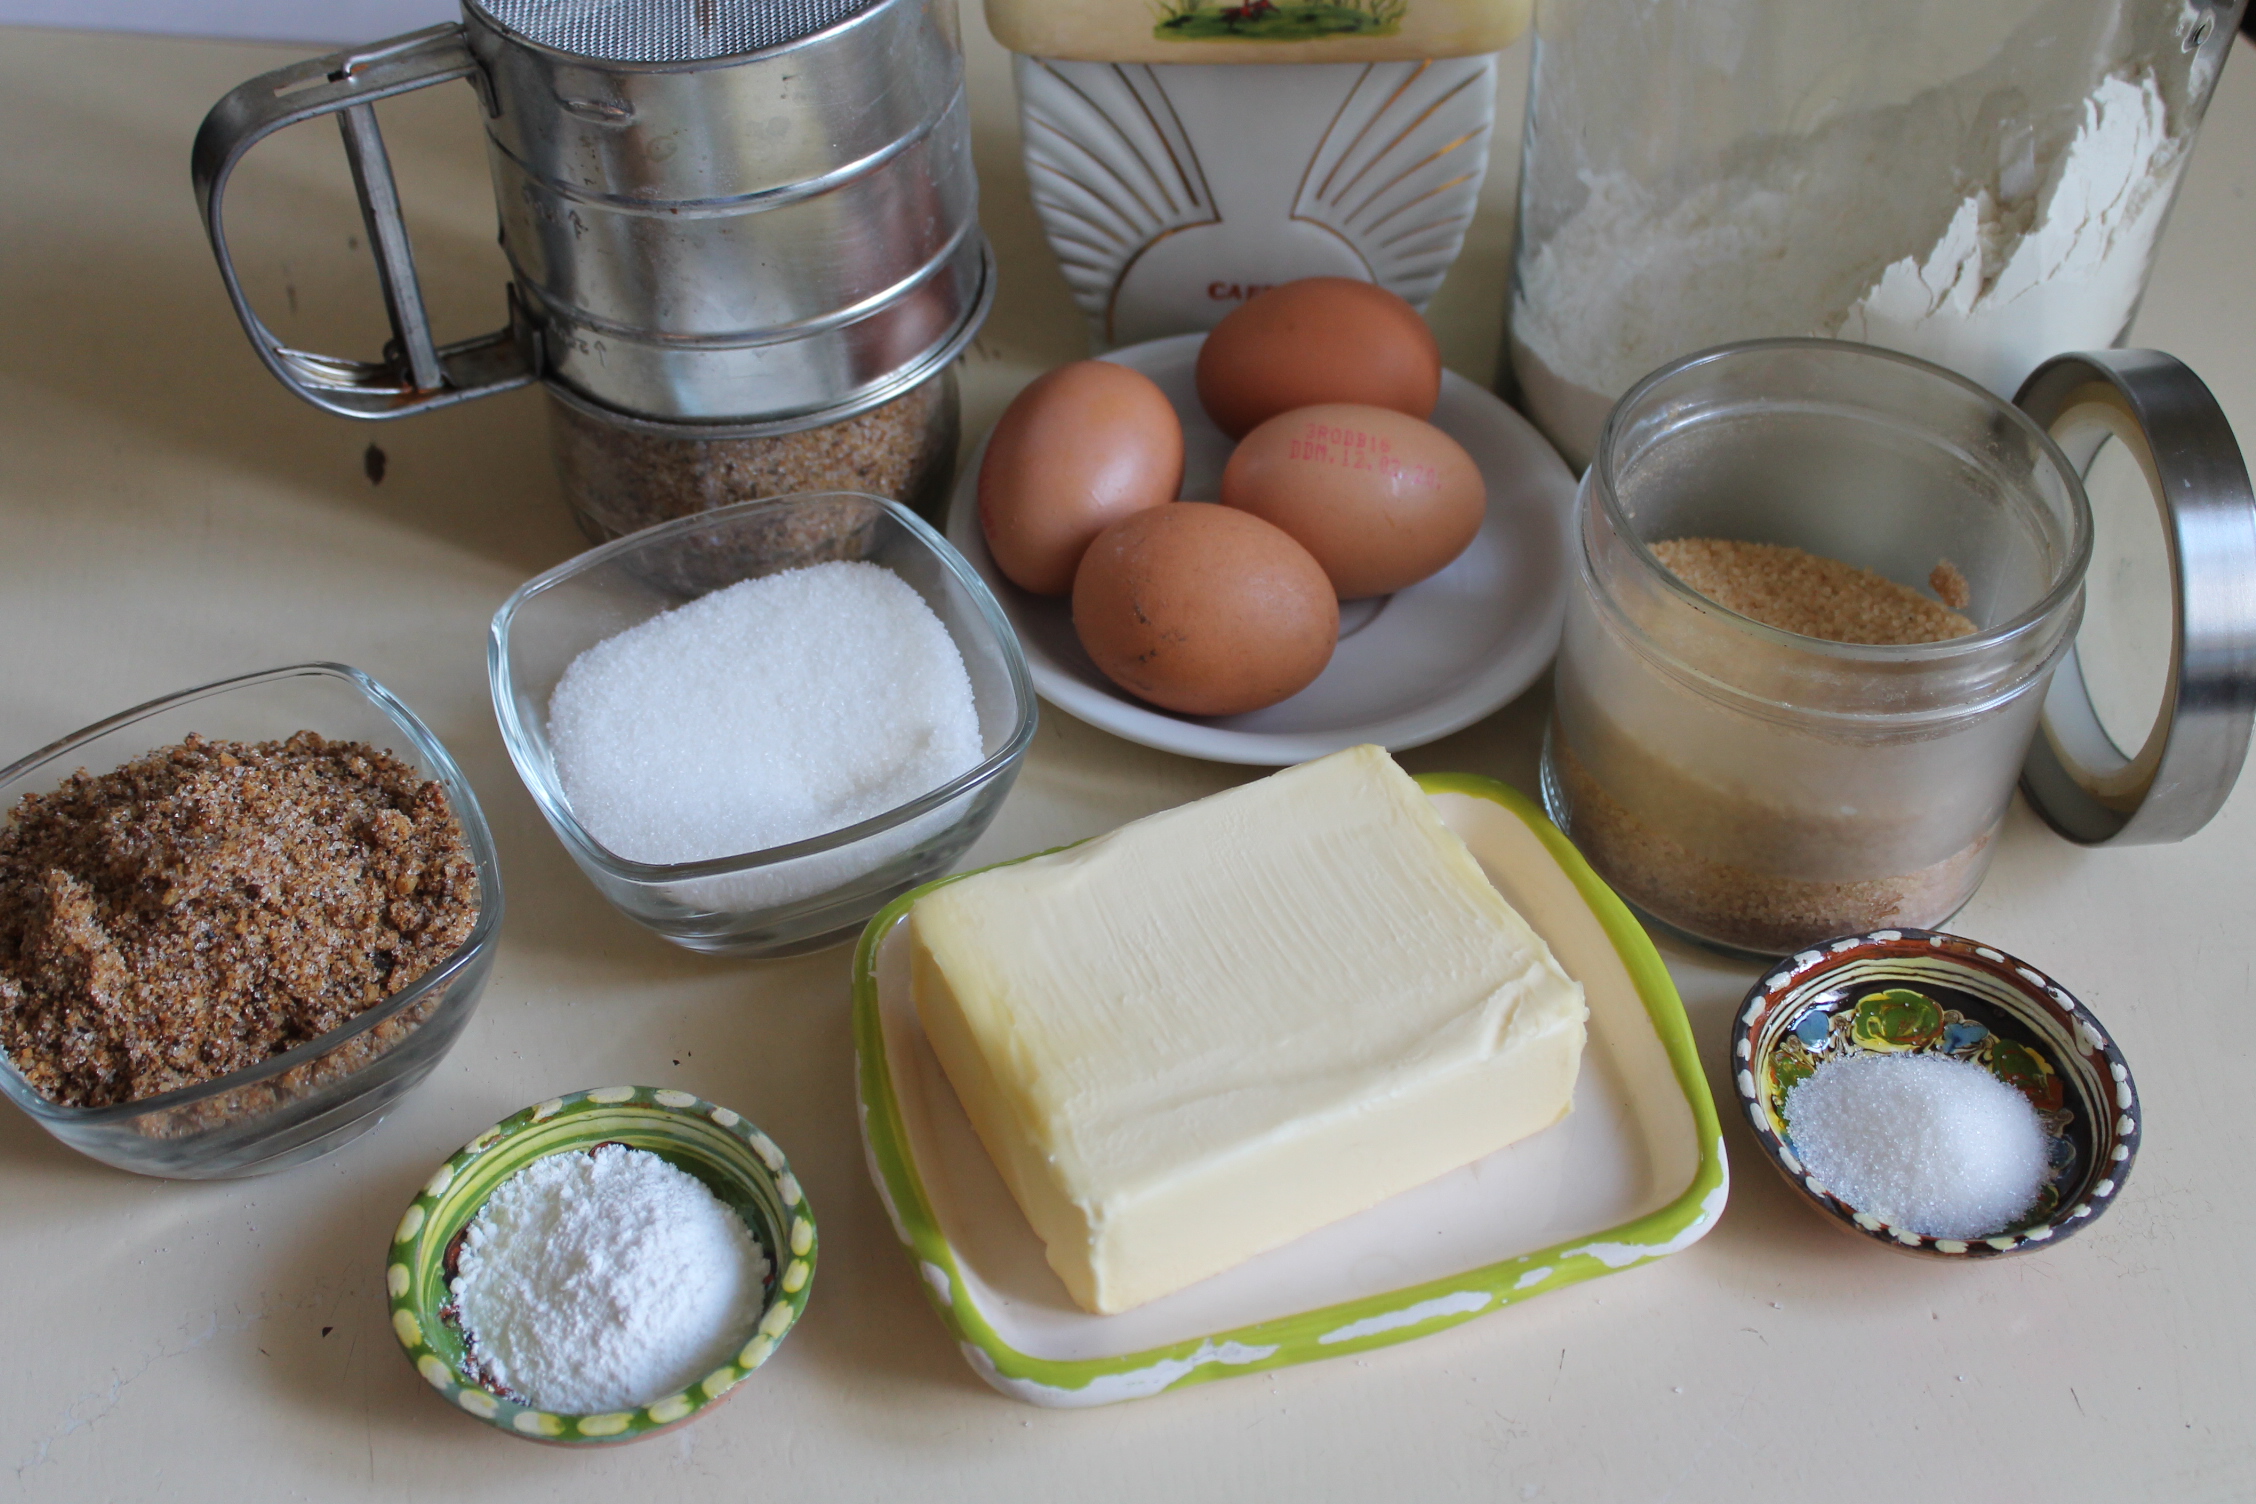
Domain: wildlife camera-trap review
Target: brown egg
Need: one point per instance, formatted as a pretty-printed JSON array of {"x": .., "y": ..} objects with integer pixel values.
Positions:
[
  {"x": 1204, "y": 610},
  {"x": 1321, "y": 339},
  {"x": 1380, "y": 499},
  {"x": 1081, "y": 447}
]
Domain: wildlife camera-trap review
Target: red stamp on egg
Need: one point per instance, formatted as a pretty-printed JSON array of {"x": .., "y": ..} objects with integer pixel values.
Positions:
[{"x": 1358, "y": 449}]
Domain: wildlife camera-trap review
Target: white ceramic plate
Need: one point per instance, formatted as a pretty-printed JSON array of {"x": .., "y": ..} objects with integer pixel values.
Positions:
[
  {"x": 1636, "y": 1172},
  {"x": 1410, "y": 667}
]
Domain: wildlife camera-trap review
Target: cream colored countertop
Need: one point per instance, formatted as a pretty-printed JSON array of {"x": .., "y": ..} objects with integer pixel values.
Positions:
[{"x": 169, "y": 515}]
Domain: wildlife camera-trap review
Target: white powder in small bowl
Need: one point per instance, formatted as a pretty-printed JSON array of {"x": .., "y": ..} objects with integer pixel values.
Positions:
[
  {"x": 773, "y": 711},
  {"x": 602, "y": 1281},
  {"x": 1927, "y": 1143}
]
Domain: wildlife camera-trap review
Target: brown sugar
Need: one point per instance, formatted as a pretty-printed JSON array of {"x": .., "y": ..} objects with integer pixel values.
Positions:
[
  {"x": 1948, "y": 582},
  {"x": 1815, "y": 596},
  {"x": 1757, "y": 911},
  {"x": 214, "y": 904},
  {"x": 1768, "y": 864}
]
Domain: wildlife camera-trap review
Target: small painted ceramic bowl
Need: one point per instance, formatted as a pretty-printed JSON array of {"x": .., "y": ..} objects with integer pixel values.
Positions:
[
  {"x": 739, "y": 1163},
  {"x": 1903, "y": 991}
]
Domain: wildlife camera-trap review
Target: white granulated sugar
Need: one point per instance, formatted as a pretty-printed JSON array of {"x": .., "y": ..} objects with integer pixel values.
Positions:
[
  {"x": 1927, "y": 1143},
  {"x": 595, "y": 1282},
  {"x": 1867, "y": 229},
  {"x": 772, "y": 711}
]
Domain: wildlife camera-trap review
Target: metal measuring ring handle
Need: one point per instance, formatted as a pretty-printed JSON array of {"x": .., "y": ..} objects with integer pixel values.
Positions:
[
  {"x": 416, "y": 374},
  {"x": 2086, "y": 786}
]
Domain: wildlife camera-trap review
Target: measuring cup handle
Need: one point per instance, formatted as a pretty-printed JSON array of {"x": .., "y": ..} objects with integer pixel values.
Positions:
[{"x": 415, "y": 374}]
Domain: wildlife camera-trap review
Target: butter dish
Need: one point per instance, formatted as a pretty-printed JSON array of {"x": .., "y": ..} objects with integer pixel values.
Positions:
[{"x": 1636, "y": 1172}]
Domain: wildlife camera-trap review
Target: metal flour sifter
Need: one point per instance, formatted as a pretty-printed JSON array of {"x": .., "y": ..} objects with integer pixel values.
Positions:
[{"x": 743, "y": 237}]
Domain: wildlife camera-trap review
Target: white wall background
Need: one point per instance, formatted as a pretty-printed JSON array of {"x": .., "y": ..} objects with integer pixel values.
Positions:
[{"x": 338, "y": 21}]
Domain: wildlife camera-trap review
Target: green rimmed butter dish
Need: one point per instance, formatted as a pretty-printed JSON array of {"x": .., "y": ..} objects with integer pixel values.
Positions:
[
  {"x": 736, "y": 1161},
  {"x": 1635, "y": 1173}
]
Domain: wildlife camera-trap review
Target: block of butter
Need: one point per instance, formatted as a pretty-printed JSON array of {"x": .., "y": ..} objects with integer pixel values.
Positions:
[{"x": 1226, "y": 1025}]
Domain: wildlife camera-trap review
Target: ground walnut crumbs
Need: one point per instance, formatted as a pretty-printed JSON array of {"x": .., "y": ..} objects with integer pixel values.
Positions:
[{"x": 213, "y": 904}]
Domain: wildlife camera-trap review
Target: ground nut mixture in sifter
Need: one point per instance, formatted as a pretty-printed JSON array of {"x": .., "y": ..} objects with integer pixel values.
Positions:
[
  {"x": 620, "y": 478},
  {"x": 213, "y": 904}
]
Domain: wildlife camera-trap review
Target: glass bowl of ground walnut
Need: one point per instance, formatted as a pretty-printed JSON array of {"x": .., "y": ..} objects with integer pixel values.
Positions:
[{"x": 239, "y": 923}]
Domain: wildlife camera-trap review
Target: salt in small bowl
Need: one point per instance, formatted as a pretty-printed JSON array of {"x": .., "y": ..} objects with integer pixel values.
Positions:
[
  {"x": 1898, "y": 991},
  {"x": 736, "y": 1161}
]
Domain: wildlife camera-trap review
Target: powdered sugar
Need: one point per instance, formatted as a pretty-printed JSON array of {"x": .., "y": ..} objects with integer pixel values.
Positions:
[{"x": 603, "y": 1281}]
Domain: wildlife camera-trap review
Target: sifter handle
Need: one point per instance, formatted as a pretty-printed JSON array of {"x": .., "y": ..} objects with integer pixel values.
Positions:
[{"x": 415, "y": 374}]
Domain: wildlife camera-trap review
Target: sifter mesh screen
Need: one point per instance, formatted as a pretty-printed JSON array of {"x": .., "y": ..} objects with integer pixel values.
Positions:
[{"x": 666, "y": 31}]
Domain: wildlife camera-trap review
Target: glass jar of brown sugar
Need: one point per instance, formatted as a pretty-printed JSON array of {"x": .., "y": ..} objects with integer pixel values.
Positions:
[{"x": 1722, "y": 757}]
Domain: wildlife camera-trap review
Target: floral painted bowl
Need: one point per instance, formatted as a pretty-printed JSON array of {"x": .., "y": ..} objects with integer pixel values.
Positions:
[
  {"x": 1901, "y": 991},
  {"x": 739, "y": 1163}
]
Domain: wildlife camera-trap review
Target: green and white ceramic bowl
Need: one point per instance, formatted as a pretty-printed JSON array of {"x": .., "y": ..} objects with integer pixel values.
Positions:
[{"x": 740, "y": 1164}]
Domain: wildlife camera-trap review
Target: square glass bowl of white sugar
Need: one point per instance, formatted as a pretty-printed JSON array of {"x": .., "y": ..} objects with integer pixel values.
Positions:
[{"x": 754, "y": 727}]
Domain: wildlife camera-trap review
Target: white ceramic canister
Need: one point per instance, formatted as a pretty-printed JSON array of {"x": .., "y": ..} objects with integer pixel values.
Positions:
[{"x": 1186, "y": 157}]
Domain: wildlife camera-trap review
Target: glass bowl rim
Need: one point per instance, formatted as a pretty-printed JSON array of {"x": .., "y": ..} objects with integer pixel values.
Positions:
[
  {"x": 1600, "y": 480},
  {"x": 539, "y": 773},
  {"x": 437, "y": 763}
]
